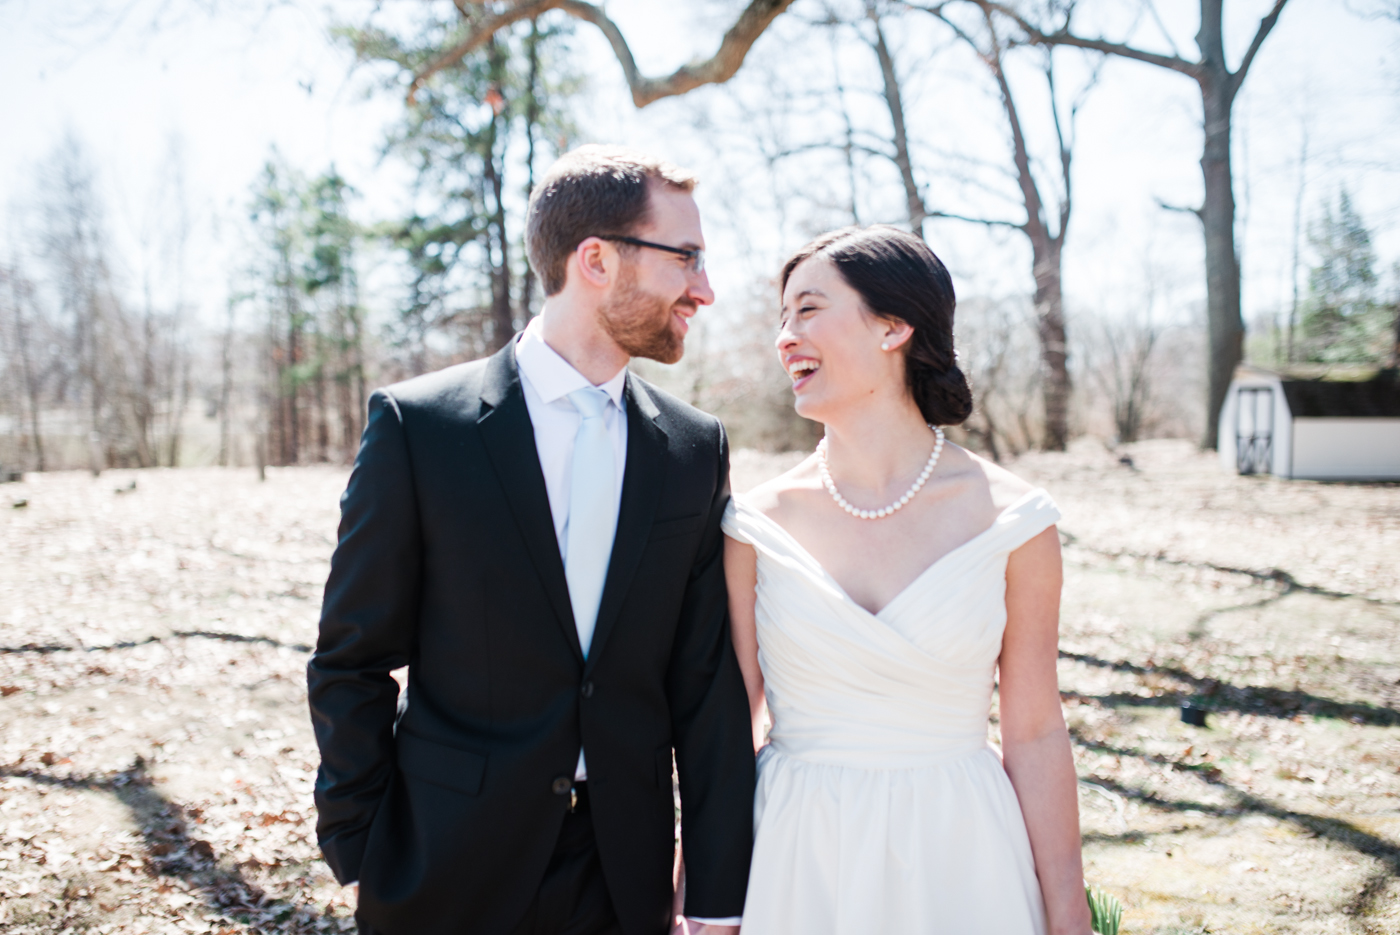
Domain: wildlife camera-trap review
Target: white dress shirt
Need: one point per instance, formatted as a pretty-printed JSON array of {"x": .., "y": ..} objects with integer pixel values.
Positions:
[{"x": 547, "y": 380}]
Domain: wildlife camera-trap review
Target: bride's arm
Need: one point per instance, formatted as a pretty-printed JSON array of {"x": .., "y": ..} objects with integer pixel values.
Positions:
[
  {"x": 1034, "y": 741},
  {"x": 741, "y": 577}
]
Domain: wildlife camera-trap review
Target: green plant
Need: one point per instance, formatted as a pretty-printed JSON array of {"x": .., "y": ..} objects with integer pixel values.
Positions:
[{"x": 1105, "y": 911}]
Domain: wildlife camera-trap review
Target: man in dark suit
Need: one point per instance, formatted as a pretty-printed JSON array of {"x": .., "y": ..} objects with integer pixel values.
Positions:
[{"x": 536, "y": 536}]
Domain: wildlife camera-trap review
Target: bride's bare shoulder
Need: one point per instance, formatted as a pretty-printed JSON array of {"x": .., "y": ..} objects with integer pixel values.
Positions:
[
  {"x": 1000, "y": 486},
  {"x": 773, "y": 497}
]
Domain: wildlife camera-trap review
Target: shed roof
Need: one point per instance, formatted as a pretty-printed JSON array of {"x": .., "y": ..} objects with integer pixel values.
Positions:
[{"x": 1376, "y": 398}]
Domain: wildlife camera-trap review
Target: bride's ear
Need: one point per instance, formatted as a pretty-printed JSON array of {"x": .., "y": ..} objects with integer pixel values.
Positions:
[{"x": 894, "y": 333}]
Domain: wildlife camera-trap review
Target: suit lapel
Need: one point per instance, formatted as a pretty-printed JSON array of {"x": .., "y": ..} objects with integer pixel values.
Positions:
[
  {"x": 509, "y": 438},
  {"x": 641, "y": 490}
]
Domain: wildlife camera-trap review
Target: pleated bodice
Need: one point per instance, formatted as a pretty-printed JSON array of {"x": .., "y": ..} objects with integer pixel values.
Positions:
[{"x": 881, "y": 806}]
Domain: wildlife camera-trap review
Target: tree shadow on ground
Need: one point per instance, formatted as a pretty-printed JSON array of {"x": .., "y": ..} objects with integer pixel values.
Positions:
[
  {"x": 1283, "y": 580},
  {"x": 171, "y": 850},
  {"x": 44, "y": 649},
  {"x": 1216, "y": 695},
  {"x": 1198, "y": 629},
  {"x": 1332, "y": 829}
]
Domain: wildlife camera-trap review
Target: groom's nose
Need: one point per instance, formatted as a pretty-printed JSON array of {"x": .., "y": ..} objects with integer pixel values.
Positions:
[{"x": 699, "y": 290}]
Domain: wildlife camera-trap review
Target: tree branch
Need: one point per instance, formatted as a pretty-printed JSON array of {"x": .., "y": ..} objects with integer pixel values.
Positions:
[
  {"x": 1198, "y": 212},
  {"x": 1066, "y": 147},
  {"x": 478, "y": 37},
  {"x": 894, "y": 100},
  {"x": 1064, "y": 37},
  {"x": 717, "y": 69},
  {"x": 988, "y": 222},
  {"x": 1162, "y": 27},
  {"x": 1266, "y": 26}
]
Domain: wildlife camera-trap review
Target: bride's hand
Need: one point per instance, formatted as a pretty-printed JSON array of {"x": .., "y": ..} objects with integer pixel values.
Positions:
[
  {"x": 686, "y": 927},
  {"x": 680, "y": 926}
]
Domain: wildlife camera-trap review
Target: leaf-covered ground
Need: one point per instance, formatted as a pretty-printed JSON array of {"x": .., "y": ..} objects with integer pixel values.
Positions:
[{"x": 156, "y": 760}]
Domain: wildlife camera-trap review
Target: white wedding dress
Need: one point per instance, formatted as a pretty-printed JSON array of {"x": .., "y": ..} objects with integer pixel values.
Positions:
[{"x": 881, "y": 806}]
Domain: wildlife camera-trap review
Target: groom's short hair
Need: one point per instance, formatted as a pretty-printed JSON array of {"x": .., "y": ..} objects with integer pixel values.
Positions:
[{"x": 592, "y": 191}]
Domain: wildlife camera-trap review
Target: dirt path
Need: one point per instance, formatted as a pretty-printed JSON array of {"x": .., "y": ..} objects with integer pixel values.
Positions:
[{"x": 156, "y": 762}]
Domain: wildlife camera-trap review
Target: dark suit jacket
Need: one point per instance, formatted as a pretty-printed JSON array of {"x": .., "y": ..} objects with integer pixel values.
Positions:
[{"x": 448, "y": 563}]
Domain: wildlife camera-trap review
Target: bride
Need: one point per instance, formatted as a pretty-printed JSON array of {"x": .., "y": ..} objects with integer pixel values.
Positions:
[{"x": 877, "y": 592}]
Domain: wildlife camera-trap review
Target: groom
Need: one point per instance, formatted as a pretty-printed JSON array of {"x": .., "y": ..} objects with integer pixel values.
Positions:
[{"x": 536, "y": 536}]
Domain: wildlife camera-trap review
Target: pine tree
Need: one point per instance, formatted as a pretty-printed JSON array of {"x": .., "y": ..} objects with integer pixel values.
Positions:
[
  {"x": 1342, "y": 320},
  {"x": 473, "y": 134}
]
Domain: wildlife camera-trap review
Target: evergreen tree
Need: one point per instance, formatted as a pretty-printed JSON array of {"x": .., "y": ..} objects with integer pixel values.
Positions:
[
  {"x": 314, "y": 388},
  {"x": 1342, "y": 319},
  {"x": 473, "y": 135},
  {"x": 329, "y": 278},
  {"x": 274, "y": 212}
]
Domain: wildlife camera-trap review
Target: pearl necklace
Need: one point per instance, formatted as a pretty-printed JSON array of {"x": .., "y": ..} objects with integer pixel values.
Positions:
[{"x": 898, "y": 504}]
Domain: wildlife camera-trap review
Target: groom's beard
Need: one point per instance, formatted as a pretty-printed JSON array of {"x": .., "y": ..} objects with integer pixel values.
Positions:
[{"x": 640, "y": 322}]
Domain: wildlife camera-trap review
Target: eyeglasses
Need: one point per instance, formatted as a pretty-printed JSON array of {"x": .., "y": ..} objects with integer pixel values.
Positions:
[{"x": 695, "y": 257}]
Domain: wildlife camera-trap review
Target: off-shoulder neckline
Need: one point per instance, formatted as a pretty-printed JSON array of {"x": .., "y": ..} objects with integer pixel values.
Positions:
[{"x": 808, "y": 558}]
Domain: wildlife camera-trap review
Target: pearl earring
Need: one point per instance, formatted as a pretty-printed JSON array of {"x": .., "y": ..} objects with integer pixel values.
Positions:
[{"x": 884, "y": 345}]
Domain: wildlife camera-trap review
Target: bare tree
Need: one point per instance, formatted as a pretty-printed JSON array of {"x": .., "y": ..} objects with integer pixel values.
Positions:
[
  {"x": 1219, "y": 86},
  {"x": 998, "y": 353},
  {"x": 1046, "y": 229},
  {"x": 1123, "y": 370},
  {"x": 23, "y": 350},
  {"x": 1297, "y": 239},
  {"x": 1046, "y": 234},
  {"x": 124, "y": 366}
]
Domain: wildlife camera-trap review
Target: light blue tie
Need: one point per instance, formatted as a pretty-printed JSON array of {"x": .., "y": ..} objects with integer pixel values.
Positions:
[{"x": 592, "y": 521}]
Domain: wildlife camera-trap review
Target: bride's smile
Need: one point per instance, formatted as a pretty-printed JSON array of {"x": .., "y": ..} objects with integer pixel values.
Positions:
[{"x": 835, "y": 351}]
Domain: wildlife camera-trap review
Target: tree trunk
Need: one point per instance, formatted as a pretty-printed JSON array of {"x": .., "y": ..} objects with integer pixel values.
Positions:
[
  {"x": 1054, "y": 346},
  {"x": 226, "y": 387},
  {"x": 532, "y": 119},
  {"x": 321, "y": 417},
  {"x": 179, "y": 398},
  {"x": 31, "y": 379},
  {"x": 291, "y": 451},
  {"x": 357, "y": 348},
  {"x": 1394, "y": 351},
  {"x": 344, "y": 373},
  {"x": 1225, "y": 325},
  {"x": 96, "y": 390},
  {"x": 147, "y": 454},
  {"x": 502, "y": 315},
  {"x": 894, "y": 101},
  {"x": 1047, "y": 251}
]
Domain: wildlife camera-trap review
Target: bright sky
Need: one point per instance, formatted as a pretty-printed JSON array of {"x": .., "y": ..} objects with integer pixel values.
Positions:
[{"x": 227, "y": 88}]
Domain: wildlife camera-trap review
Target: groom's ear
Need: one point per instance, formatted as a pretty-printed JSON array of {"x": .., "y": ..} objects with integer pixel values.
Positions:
[{"x": 595, "y": 260}]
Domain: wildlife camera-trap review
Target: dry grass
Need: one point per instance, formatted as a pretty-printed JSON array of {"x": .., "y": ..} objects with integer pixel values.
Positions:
[{"x": 156, "y": 761}]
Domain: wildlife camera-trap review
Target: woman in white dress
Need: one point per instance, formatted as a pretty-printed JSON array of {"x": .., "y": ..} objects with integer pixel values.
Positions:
[{"x": 877, "y": 591}]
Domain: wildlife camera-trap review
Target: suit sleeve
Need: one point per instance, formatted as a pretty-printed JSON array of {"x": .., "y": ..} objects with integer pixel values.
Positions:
[
  {"x": 710, "y": 726},
  {"x": 367, "y": 629}
]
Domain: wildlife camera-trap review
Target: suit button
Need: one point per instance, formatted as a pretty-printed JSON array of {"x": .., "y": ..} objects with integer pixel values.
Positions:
[
  {"x": 587, "y": 690},
  {"x": 562, "y": 785}
]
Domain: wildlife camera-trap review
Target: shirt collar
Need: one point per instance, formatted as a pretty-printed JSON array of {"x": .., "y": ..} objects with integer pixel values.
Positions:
[{"x": 552, "y": 376}]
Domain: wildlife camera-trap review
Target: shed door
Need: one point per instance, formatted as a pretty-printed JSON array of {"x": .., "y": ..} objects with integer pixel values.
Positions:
[{"x": 1254, "y": 430}]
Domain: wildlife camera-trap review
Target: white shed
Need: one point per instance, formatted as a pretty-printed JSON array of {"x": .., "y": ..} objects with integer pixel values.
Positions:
[{"x": 1318, "y": 425}]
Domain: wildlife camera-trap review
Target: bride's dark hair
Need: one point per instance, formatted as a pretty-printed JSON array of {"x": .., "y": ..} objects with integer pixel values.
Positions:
[{"x": 899, "y": 278}]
